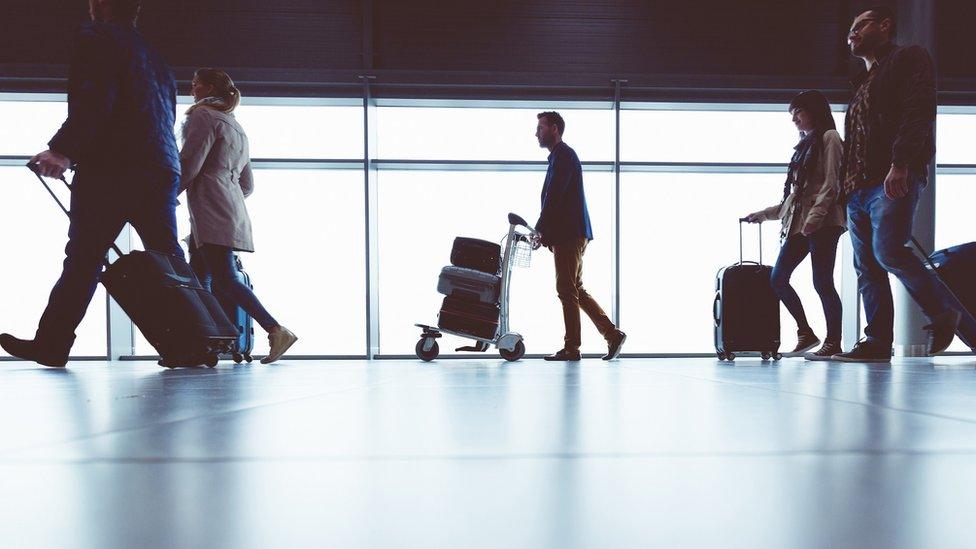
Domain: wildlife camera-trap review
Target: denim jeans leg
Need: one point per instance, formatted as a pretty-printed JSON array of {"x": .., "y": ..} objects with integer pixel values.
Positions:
[
  {"x": 872, "y": 279},
  {"x": 823, "y": 256},
  {"x": 792, "y": 253}
]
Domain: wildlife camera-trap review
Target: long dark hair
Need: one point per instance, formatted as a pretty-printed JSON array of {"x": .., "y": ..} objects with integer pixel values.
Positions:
[{"x": 817, "y": 105}]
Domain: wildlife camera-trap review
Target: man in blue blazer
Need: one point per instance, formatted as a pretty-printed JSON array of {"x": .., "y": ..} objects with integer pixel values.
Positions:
[
  {"x": 564, "y": 227},
  {"x": 119, "y": 138}
]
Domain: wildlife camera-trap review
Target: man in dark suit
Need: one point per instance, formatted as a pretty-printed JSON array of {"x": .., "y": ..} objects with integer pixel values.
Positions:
[
  {"x": 564, "y": 227},
  {"x": 119, "y": 137}
]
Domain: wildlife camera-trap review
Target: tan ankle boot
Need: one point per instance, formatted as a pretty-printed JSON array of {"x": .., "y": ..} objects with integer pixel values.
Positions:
[{"x": 281, "y": 340}]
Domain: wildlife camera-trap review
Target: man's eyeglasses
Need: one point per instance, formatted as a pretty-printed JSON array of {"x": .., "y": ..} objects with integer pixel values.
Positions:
[{"x": 859, "y": 26}]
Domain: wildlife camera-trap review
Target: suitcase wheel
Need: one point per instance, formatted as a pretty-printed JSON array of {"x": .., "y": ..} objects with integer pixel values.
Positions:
[
  {"x": 777, "y": 356},
  {"x": 238, "y": 358},
  {"x": 247, "y": 358},
  {"x": 429, "y": 354},
  {"x": 726, "y": 356},
  {"x": 212, "y": 361},
  {"x": 515, "y": 353},
  {"x": 766, "y": 356}
]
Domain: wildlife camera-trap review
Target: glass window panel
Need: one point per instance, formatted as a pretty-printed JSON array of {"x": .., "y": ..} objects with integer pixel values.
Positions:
[
  {"x": 954, "y": 199},
  {"x": 441, "y": 133},
  {"x": 420, "y": 213},
  {"x": 671, "y": 251},
  {"x": 34, "y": 232},
  {"x": 27, "y": 126},
  {"x": 709, "y": 136},
  {"x": 309, "y": 265},
  {"x": 954, "y": 138},
  {"x": 301, "y": 131}
]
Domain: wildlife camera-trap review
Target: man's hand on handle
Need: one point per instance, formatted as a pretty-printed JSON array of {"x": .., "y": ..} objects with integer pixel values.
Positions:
[
  {"x": 753, "y": 218},
  {"x": 50, "y": 164}
]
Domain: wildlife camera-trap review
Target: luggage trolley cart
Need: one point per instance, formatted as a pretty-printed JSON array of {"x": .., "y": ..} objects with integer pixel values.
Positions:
[{"x": 516, "y": 252}]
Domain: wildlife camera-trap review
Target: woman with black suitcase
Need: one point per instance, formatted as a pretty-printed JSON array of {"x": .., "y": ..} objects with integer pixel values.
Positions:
[
  {"x": 216, "y": 175},
  {"x": 813, "y": 219}
]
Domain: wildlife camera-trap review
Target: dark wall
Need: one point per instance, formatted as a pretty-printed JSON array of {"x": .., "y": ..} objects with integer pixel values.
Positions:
[{"x": 744, "y": 49}]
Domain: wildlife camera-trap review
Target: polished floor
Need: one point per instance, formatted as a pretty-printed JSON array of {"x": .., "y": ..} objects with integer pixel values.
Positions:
[{"x": 673, "y": 453}]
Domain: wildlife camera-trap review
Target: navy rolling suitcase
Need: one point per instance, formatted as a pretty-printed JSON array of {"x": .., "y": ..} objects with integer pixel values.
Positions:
[
  {"x": 241, "y": 350},
  {"x": 161, "y": 294},
  {"x": 956, "y": 268},
  {"x": 746, "y": 309}
]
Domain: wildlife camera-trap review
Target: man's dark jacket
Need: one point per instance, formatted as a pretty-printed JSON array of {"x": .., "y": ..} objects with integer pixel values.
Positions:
[
  {"x": 121, "y": 106},
  {"x": 564, "y": 215},
  {"x": 901, "y": 117}
]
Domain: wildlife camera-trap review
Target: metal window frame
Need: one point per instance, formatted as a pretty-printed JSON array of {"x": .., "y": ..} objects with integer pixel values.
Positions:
[{"x": 119, "y": 336}]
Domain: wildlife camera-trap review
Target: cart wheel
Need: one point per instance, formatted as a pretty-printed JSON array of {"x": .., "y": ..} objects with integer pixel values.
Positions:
[
  {"x": 238, "y": 358},
  {"x": 777, "y": 356},
  {"x": 429, "y": 355},
  {"x": 247, "y": 358},
  {"x": 766, "y": 356},
  {"x": 515, "y": 354},
  {"x": 212, "y": 361},
  {"x": 730, "y": 357}
]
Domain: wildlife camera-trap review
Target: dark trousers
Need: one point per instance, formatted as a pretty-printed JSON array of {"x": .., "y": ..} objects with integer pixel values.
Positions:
[
  {"x": 822, "y": 248},
  {"x": 568, "y": 258},
  {"x": 880, "y": 230},
  {"x": 216, "y": 269},
  {"x": 98, "y": 214}
]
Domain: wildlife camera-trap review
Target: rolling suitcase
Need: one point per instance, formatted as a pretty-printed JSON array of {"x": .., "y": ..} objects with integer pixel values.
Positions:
[
  {"x": 479, "y": 255},
  {"x": 469, "y": 284},
  {"x": 471, "y": 318},
  {"x": 241, "y": 350},
  {"x": 161, "y": 294},
  {"x": 956, "y": 268},
  {"x": 746, "y": 309}
]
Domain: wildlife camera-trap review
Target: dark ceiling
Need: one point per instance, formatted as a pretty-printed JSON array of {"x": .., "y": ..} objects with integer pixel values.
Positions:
[{"x": 737, "y": 50}]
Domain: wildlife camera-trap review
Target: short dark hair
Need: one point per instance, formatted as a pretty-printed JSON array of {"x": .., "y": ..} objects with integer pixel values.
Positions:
[
  {"x": 884, "y": 12},
  {"x": 125, "y": 9},
  {"x": 553, "y": 117},
  {"x": 817, "y": 105}
]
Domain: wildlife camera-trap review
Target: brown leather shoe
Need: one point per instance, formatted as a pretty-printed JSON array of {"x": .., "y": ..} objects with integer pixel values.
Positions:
[
  {"x": 281, "y": 339},
  {"x": 563, "y": 355}
]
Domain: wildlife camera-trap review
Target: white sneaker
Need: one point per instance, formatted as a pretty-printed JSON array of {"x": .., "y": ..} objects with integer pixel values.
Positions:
[{"x": 281, "y": 340}]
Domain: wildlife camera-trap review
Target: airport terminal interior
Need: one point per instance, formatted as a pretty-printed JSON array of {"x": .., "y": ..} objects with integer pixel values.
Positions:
[{"x": 379, "y": 132}]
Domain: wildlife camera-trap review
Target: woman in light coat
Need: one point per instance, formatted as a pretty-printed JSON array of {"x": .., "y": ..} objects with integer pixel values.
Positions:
[
  {"x": 216, "y": 175},
  {"x": 813, "y": 219}
]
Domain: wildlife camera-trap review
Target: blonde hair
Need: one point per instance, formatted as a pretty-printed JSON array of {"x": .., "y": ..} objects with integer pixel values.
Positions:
[{"x": 223, "y": 88}]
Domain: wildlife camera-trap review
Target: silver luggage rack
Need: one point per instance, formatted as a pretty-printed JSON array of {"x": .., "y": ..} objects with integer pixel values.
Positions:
[{"x": 517, "y": 247}]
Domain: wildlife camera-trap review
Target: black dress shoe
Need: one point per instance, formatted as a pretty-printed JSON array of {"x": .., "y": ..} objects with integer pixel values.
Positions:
[
  {"x": 941, "y": 331},
  {"x": 614, "y": 345},
  {"x": 563, "y": 355},
  {"x": 28, "y": 349}
]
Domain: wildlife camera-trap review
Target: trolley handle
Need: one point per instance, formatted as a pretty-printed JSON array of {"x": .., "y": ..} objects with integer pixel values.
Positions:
[{"x": 744, "y": 220}]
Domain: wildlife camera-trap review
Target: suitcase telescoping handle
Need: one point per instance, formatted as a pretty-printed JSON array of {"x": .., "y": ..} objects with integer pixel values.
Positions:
[
  {"x": 741, "y": 221},
  {"x": 33, "y": 168}
]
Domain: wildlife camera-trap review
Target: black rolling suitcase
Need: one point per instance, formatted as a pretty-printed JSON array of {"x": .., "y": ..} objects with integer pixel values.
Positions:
[
  {"x": 746, "y": 309},
  {"x": 479, "y": 255},
  {"x": 468, "y": 317},
  {"x": 956, "y": 268},
  {"x": 161, "y": 294}
]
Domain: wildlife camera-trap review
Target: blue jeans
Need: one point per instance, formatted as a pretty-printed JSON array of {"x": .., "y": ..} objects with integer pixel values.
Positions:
[
  {"x": 880, "y": 230},
  {"x": 822, "y": 247},
  {"x": 217, "y": 271},
  {"x": 98, "y": 213}
]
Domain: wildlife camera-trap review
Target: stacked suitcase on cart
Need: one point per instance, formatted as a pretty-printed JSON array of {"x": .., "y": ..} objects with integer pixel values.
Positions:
[{"x": 471, "y": 286}]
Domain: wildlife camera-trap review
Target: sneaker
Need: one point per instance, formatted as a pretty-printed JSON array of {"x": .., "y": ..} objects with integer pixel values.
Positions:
[
  {"x": 865, "y": 351},
  {"x": 941, "y": 331},
  {"x": 826, "y": 352},
  {"x": 281, "y": 339},
  {"x": 55, "y": 356},
  {"x": 563, "y": 355},
  {"x": 614, "y": 345},
  {"x": 805, "y": 340}
]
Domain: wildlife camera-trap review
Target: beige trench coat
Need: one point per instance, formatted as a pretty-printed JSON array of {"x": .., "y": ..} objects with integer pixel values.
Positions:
[
  {"x": 819, "y": 206},
  {"x": 216, "y": 175}
]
